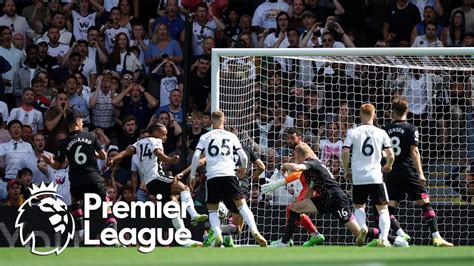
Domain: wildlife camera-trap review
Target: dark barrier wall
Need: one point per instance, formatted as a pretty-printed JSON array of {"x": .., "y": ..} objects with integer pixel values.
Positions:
[{"x": 449, "y": 220}]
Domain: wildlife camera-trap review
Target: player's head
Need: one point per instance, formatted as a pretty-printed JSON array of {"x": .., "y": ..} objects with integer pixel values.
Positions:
[
  {"x": 74, "y": 121},
  {"x": 217, "y": 119},
  {"x": 303, "y": 151},
  {"x": 295, "y": 137},
  {"x": 399, "y": 108},
  {"x": 158, "y": 131},
  {"x": 367, "y": 113}
]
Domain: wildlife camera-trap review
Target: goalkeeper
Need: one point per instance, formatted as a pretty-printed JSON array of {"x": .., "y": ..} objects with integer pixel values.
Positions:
[
  {"x": 295, "y": 138},
  {"x": 236, "y": 223}
]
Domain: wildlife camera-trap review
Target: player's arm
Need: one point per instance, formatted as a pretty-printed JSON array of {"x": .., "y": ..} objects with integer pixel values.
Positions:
[
  {"x": 416, "y": 157},
  {"x": 292, "y": 167},
  {"x": 51, "y": 161},
  {"x": 345, "y": 158},
  {"x": 195, "y": 162},
  {"x": 274, "y": 184},
  {"x": 165, "y": 158},
  {"x": 129, "y": 151},
  {"x": 243, "y": 165},
  {"x": 389, "y": 159},
  {"x": 186, "y": 171},
  {"x": 390, "y": 155},
  {"x": 260, "y": 168}
]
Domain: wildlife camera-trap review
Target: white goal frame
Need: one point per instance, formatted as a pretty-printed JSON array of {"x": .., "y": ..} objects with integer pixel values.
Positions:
[{"x": 217, "y": 66}]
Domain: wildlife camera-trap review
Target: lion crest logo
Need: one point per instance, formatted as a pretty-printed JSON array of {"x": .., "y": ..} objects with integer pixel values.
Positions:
[{"x": 50, "y": 204}]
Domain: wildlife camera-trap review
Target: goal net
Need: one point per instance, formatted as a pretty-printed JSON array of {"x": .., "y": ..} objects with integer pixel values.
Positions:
[{"x": 264, "y": 92}]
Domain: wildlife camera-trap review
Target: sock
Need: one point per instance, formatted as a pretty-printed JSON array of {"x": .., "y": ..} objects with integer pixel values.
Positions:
[
  {"x": 248, "y": 217},
  {"x": 391, "y": 239},
  {"x": 384, "y": 224},
  {"x": 228, "y": 229},
  {"x": 177, "y": 223},
  {"x": 373, "y": 232},
  {"x": 306, "y": 222},
  {"x": 394, "y": 223},
  {"x": 430, "y": 218},
  {"x": 290, "y": 227},
  {"x": 360, "y": 217},
  {"x": 188, "y": 200},
  {"x": 215, "y": 222},
  {"x": 77, "y": 214},
  {"x": 110, "y": 219}
]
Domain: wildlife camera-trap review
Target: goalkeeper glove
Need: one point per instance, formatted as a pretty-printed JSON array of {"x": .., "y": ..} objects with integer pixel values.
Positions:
[{"x": 270, "y": 187}]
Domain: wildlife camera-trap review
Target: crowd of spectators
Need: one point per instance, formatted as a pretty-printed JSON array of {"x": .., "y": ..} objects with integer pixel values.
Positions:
[{"x": 121, "y": 64}]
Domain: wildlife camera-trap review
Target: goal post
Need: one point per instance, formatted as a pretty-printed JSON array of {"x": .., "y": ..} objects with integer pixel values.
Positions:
[{"x": 264, "y": 92}]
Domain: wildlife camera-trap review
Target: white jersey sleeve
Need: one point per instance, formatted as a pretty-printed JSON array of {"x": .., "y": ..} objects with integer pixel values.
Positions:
[
  {"x": 218, "y": 146},
  {"x": 367, "y": 143}
]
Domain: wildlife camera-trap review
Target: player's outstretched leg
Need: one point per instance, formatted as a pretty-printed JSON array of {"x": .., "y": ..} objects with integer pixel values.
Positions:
[
  {"x": 249, "y": 219},
  {"x": 429, "y": 216},
  {"x": 394, "y": 225},
  {"x": 316, "y": 237},
  {"x": 178, "y": 188}
]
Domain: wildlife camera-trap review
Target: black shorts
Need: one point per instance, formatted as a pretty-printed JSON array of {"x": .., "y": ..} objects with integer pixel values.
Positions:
[
  {"x": 338, "y": 205},
  {"x": 397, "y": 190},
  {"x": 245, "y": 187},
  {"x": 223, "y": 188},
  {"x": 376, "y": 192},
  {"x": 89, "y": 183},
  {"x": 156, "y": 187}
]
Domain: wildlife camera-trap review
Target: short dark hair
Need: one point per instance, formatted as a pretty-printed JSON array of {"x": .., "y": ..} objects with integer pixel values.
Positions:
[
  {"x": 155, "y": 127},
  {"x": 31, "y": 47},
  {"x": 91, "y": 28},
  {"x": 294, "y": 130},
  {"x": 36, "y": 80},
  {"x": 128, "y": 118},
  {"x": 205, "y": 57},
  {"x": 23, "y": 171},
  {"x": 72, "y": 117},
  {"x": 12, "y": 122},
  {"x": 75, "y": 54}
]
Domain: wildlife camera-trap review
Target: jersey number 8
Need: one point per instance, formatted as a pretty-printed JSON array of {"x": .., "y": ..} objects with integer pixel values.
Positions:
[{"x": 396, "y": 145}]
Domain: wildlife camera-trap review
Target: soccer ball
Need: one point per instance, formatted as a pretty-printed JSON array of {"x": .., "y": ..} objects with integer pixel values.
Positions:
[{"x": 222, "y": 211}]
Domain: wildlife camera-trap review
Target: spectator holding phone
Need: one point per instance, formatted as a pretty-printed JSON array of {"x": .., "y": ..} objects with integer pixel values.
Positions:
[{"x": 163, "y": 46}]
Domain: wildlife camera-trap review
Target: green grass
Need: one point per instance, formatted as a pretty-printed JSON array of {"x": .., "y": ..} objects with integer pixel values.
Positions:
[{"x": 244, "y": 256}]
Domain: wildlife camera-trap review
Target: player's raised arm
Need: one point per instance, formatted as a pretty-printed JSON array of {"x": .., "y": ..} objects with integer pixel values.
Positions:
[
  {"x": 274, "y": 184},
  {"x": 51, "y": 161},
  {"x": 129, "y": 151},
  {"x": 165, "y": 158}
]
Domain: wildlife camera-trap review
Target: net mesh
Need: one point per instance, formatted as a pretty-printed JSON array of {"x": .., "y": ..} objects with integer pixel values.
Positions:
[{"x": 264, "y": 96}]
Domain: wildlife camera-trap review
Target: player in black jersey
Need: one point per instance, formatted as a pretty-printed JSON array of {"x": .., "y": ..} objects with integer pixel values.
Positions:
[
  {"x": 324, "y": 194},
  {"x": 81, "y": 149},
  {"x": 406, "y": 177}
]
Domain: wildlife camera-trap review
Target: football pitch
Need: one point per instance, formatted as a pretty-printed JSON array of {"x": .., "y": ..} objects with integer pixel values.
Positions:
[{"x": 246, "y": 256}]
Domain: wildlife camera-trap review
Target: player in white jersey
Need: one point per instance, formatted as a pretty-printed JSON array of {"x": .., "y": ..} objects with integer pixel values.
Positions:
[
  {"x": 222, "y": 184},
  {"x": 366, "y": 144},
  {"x": 150, "y": 153}
]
